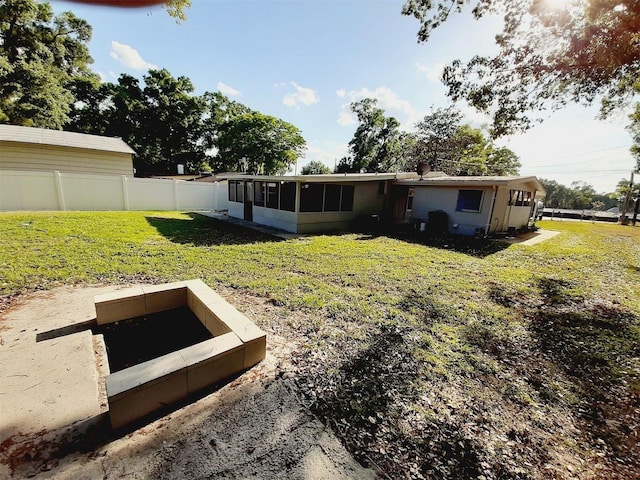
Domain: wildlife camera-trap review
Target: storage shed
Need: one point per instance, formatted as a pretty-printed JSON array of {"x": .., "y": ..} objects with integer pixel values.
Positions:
[{"x": 42, "y": 150}]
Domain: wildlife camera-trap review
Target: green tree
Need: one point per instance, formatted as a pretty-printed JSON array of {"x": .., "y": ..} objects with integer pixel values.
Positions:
[
  {"x": 257, "y": 143},
  {"x": 558, "y": 195},
  {"x": 434, "y": 134},
  {"x": 634, "y": 130},
  {"x": 580, "y": 195},
  {"x": 218, "y": 110},
  {"x": 172, "y": 124},
  {"x": 161, "y": 120},
  {"x": 41, "y": 55},
  {"x": 583, "y": 194},
  {"x": 315, "y": 167},
  {"x": 377, "y": 143},
  {"x": 446, "y": 144},
  {"x": 176, "y": 8},
  {"x": 502, "y": 161},
  {"x": 625, "y": 190},
  {"x": 549, "y": 54}
]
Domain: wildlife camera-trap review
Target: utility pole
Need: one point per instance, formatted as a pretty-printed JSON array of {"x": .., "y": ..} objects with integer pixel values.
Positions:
[{"x": 627, "y": 201}]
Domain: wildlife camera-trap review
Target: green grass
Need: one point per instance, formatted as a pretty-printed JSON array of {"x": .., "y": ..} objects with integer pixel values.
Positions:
[{"x": 458, "y": 346}]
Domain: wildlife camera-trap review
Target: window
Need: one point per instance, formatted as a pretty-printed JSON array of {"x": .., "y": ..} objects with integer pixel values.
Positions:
[
  {"x": 347, "y": 198},
  {"x": 272, "y": 194},
  {"x": 382, "y": 187},
  {"x": 258, "y": 193},
  {"x": 311, "y": 197},
  {"x": 329, "y": 197},
  {"x": 410, "y": 200},
  {"x": 288, "y": 196},
  {"x": 519, "y": 198},
  {"x": 236, "y": 191},
  {"x": 239, "y": 191},
  {"x": 469, "y": 200},
  {"x": 332, "y": 194}
]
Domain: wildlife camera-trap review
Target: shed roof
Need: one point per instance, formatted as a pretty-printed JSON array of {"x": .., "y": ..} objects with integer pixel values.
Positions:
[{"x": 43, "y": 136}]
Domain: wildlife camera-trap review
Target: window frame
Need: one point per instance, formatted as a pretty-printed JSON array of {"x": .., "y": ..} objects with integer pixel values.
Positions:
[{"x": 468, "y": 204}]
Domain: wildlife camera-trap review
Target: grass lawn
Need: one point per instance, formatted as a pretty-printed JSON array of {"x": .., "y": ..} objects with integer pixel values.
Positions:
[{"x": 449, "y": 359}]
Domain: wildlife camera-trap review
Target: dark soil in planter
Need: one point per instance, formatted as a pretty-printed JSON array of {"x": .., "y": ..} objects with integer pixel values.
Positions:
[{"x": 140, "y": 339}]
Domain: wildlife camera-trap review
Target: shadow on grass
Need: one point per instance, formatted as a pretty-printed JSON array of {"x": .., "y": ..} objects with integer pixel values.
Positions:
[
  {"x": 583, "y": 356},
  {"x": 202, "y": 231},
  {"x": 367, "y": 398},
  {"x": 596, "y": 345},
  {"x": 465, "y": 244}
]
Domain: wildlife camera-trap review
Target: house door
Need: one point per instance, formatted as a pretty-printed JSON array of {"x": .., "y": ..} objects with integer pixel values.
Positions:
[
  {"x": 248, "y": 201},
  {"x": 398, "y": 203}
]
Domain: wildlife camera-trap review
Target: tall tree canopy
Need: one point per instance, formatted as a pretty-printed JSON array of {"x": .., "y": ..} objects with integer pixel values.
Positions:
[
  {"x": 41, "y": 56},
  {"x": 448, "y": 145},
  {"x": 259, "y": 144},
  {"x": 314, "y": 167},
  {"x": 161, "y": 121},
  {"x": 550, "y": 53},
  {"x": 579, "y": 195},
  {"x": 377, "y": 144}
]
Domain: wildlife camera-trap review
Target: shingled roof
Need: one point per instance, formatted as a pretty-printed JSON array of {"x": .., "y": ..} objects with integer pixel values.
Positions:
[{"x": 43, "y": 136}]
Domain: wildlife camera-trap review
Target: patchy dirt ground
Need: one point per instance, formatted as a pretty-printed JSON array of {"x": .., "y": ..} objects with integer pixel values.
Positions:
[{"x": 53, "y": 421}]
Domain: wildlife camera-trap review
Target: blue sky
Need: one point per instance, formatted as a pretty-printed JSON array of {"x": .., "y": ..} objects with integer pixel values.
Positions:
[{"x": 305, "y": 60}]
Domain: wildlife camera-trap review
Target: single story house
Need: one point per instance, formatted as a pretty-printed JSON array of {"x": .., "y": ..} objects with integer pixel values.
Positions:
[
  {"x": 318, "y": 203},
  {"x": 468, "y": 205},
  {"x": 309, "y": 203},
  {"x": 43, "y": 150}
]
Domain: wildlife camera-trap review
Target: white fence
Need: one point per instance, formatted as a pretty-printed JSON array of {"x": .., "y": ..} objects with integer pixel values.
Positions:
[{"x": 76, "y": 191}]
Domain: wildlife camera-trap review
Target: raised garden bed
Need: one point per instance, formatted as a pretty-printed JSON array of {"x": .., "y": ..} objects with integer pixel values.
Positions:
[{"x": 234, "y": 344}]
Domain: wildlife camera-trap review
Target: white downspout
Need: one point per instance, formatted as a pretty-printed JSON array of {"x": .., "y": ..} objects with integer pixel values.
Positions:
[{"x": 493, "y": 206}]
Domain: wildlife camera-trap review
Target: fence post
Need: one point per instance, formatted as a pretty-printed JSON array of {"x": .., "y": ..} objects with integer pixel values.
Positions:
[
  {"x": 59, "y": 190},
  {"x": 125, "y": 192},
  {"x": 175, "y": 194}
]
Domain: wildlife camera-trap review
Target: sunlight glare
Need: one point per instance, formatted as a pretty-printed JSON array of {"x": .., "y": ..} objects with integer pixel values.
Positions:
[{"x": 557, "y": 4}]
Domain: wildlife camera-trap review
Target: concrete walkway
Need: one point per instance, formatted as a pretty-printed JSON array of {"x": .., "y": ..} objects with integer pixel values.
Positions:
[
  {"x": 53, "y": 410},
  {"x": 253, "y": 226},
  {"x": 532, "y": 238}
]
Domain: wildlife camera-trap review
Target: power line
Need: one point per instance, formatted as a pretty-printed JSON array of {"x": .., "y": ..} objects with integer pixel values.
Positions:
[{"x": 583, "y": 153}]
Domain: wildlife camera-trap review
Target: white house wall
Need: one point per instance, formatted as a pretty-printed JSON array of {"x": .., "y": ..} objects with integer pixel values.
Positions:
[
  {"x": 282, "y": 219},
  {"x": 430, "y": 198},
  {"x": 366, "y": 201},
  {"x": 507, "y": 216},
  {"x": 235, "y": 209}
]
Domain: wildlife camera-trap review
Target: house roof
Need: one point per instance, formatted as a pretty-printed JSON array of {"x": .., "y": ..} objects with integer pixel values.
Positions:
[
  {"x": 327, "y": 178},
  {"x": 43, "y": 136},
  {"x": 475, "y": 181}
]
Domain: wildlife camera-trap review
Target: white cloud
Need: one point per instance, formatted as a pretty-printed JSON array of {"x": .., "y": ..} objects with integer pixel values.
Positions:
[
  {"x": 328, "y": 153},
  {"x": 345, "y": 117},
  {"x": 129, "y": 56},
  {"x": 388, "y": 100},
  {"x": 302, "y": 95},
  {"x": 341, "y": 93},
  {"x": 433, "y": 73},
  {"x": 227, "y": 90}
]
